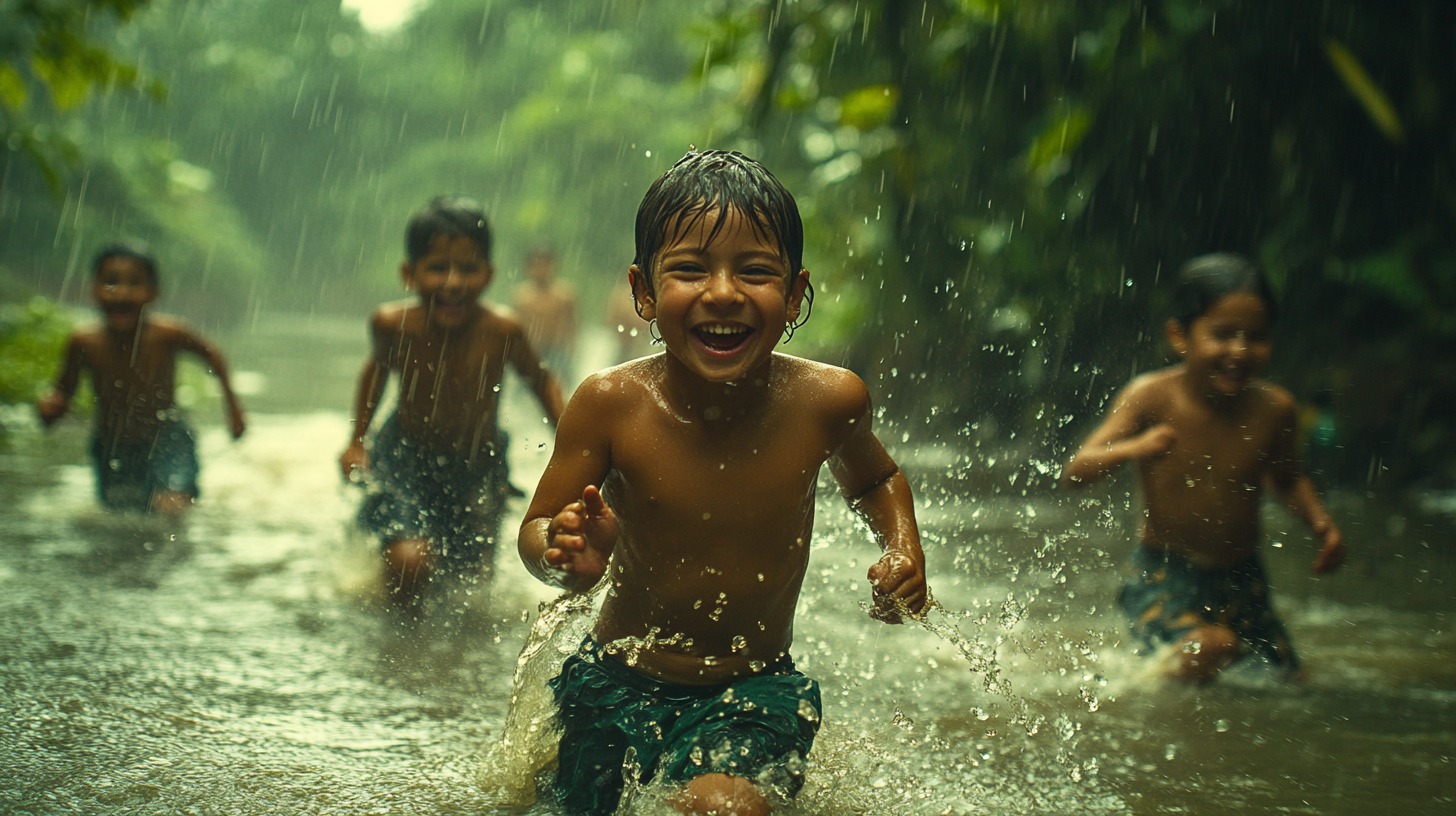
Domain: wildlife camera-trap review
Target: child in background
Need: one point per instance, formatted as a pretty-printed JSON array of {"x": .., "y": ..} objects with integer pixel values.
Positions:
[
  {"x": 1207, "y": 437},
  {"x": 690, "y": 477},
  {"x": 145, "y": 453},
  {"x": 546, "y": 306},
  {"x": 440, "y": 480}
]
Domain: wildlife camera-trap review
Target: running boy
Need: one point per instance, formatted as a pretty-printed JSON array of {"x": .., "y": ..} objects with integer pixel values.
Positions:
[
  {"x": 440, "y": 478},
  {"x": 144, "y": 451},
  {"x": 1207, "y": 436},
  {"x": 690, "y": 476}
]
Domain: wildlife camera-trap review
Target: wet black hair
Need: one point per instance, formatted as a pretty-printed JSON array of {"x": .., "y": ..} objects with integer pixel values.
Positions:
[
  {"x": 1206, "y": 279},
  {"x": 450, "y": 216},
  {"x": 724, "y": 180},
  {"x": 127, "y": 248}
]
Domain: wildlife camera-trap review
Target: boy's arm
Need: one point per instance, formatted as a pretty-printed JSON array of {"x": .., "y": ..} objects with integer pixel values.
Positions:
[
  {"x": 54, "y": 404},
  {"x": 569, "y": 531},
  {"x": 218, "y": 365},
  {"x": 878, "y": 492},
  {"x": 1120, "y": 438},
  {"x": 372, "y": 379},
  {"x": 1288, "y": 481},
  {"x": 538, "y": 378}
]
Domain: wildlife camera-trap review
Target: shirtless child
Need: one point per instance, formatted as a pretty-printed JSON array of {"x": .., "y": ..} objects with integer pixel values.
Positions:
[
  {"x": 145, "y": 453},
  {"x": 689, "y": 476},
  {"x": 546, "y": 306},
  {"x": 1208, "y": 436},
  {"x": 440, "y": 480}
]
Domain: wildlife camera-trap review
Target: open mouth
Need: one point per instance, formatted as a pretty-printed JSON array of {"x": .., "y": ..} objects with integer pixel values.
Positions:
[{"x": 723, "y": 337}]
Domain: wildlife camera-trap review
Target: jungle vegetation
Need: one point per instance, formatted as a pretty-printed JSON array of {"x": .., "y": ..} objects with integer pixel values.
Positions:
[{"x": 995, "y": 191}]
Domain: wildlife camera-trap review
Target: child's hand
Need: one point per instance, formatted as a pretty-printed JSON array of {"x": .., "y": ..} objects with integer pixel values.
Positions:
[
  {"x": 897, "y": 582},
  {"x": 1153, "y": 442},
  {"x": 580, "y": 539},
  {"x": 1332, "y": 548},
  {"x": 354, "y": 462},
  {"x": 236, "y": 423},
  {"x": 51, "y": 407}
]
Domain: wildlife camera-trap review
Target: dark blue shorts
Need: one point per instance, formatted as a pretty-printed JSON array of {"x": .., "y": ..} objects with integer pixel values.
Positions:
[
  {"x": 1167, "y": 596},
  {"x": 416, "y": 492},
  {"x": 129, "y": 473},
  {"x": 760, "y": 728}
]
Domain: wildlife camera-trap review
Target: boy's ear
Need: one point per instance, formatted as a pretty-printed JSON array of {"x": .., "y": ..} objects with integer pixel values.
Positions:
[
  {"x": 646, "y": 306},
  {"x": 1177, "y": 337},
  {"x": 796, "y": 293}
]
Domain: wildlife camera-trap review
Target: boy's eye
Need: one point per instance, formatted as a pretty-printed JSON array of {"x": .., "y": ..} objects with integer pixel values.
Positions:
[{"x": 761, "y": 272}]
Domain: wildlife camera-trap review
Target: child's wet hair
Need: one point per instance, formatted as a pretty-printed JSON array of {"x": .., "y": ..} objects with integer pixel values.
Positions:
[
  {"x": 725, "y": 180},
  {"x": 450, "y": 216},
  {"x": 128, "y": 248},
  {"x": 1207, "y": 279}
]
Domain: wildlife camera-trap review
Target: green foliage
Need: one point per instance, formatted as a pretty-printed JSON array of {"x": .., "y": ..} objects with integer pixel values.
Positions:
[
  {"x": 993, "y": 188},
  {"x": 52, "y": 62},
  {"x": 32, "y": 339}
]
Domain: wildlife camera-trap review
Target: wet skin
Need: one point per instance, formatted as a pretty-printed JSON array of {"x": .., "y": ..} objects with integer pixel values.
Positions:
[
  {"x": 707, "y": 456},
  {"x": 132, "y": 359},
  {"x": 449, "y": 351},
  {"x": 1207, "y": 437}
]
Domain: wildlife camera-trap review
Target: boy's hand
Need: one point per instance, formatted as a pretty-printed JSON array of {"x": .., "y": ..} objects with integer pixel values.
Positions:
[
  {"x": 1332, "y": 548},
  {"x": 579, "y": 540},
  {"x": 1155, "y": 441},
  {"x": 51, "y": 407},
  {"x": 236, "y": 423},
  {"x": 354, "y": 462},
  {"x": 897, "y": 582}
]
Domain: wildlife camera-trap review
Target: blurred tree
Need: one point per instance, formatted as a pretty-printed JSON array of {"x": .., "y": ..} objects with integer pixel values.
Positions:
[
  {"x": 1012, "y": 182},
  {"x": 50, "y": 61}
]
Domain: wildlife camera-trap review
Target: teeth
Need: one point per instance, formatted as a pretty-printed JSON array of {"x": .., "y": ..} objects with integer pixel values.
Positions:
[{"x": 721, "y": 329}]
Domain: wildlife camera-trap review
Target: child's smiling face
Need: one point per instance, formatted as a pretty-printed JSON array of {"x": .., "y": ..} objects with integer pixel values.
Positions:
[
  {"x": 122, "y": 288},
  {"x": 449, "y": 279},
  {"x": 721, "y": 305},
  {"x": 1229, "y": 345}
]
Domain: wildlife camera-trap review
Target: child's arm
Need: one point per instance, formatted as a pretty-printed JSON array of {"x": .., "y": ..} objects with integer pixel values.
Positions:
[
  {"x": 539, "y": 378},
  {"x": 879, "y": 493},
  {"x": 569, "y": 531},
  {"x": 1288, "y": 481},
  {"x": 354, "y": 461},
  {"x": 1122, "y": 437},
  {"x": 54, "y": 404},
  {"x": 218, "y": 365}
]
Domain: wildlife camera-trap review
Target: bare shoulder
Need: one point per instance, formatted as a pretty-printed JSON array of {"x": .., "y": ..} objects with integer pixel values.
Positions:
[
  {"x": 1153, "y": 385},
  {"x": 498, "y": 319},
  {"x": 171, "y": 329},
  {"x": 837, "y": 392},
  {"x": 606, "y": 397},
  {"x": 395, "y": 317},
  {"x": 1275, "y": 401}
]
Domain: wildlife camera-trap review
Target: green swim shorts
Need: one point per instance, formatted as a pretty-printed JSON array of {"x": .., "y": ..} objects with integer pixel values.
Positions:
[
  {"x": 1167, "y": 596},
  {"x": 759, "y": 727}
]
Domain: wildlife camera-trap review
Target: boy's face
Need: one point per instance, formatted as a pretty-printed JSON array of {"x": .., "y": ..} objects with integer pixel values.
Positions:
[
  {"x": 1227, "y": 346},
  {"x": 448, "y": 280},
  {"x": 122, "y": 288},
  {"x": 722, "y": 306}
]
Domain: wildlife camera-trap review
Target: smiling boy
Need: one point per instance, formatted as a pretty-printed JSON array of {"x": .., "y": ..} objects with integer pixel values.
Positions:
[
  {"x": 688, "y": 478},
  {"x": 439, "y": 476},
  {"x": 143, "y": 448}
]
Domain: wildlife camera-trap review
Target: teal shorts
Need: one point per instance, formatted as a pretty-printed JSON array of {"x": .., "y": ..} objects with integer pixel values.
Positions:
[
  {"x": 415, "y": 492},
  {"x": 1167, "y": 596},
  {"x": 128, "y": 474},
  {"x": 759, "y": 727}
]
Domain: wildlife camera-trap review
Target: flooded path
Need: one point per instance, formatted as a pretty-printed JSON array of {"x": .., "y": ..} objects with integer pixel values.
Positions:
[{"x": 241, "y": 663}]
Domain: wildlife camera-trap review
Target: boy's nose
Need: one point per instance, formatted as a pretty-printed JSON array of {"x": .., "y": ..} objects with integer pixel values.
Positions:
[{"x": 722, "y": 288}]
